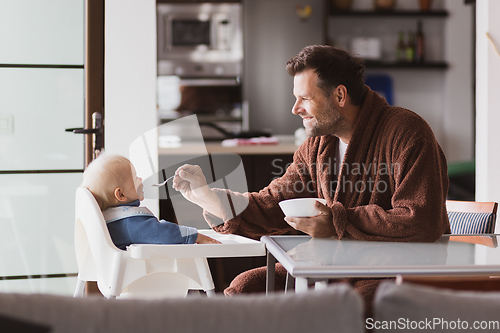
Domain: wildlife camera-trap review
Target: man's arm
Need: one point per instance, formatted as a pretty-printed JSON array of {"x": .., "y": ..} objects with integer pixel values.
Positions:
[
  {"x": 418, "y": 210},
  {"x": 262, "y": 215},
  {"x": 258, "y": 213}
]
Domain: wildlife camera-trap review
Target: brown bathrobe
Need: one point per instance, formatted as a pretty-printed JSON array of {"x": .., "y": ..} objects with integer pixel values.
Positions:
[{"x": 392, "y": 187}]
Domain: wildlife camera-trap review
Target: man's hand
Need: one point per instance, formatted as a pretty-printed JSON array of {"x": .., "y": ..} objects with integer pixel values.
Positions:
[
  {"x": 190, "y": 181},
  {"x": 320, "y": 225}
]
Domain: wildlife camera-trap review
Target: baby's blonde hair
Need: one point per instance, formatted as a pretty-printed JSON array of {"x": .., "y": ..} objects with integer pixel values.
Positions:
[{"x": 104, "y": 175}]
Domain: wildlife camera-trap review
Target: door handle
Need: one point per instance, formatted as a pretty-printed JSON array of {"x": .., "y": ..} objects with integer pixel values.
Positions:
[
  {"x": 81, "y": 130},
  {"x": 97, "y": 131}
]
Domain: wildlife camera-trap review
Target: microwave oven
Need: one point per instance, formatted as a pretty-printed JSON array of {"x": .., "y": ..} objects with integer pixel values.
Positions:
[{"x": 199, "y": 39}]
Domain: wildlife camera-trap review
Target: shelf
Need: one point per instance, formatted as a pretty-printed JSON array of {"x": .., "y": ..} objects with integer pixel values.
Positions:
[
  {"x": 389, "y": 13},
  {"x": 405, "y": 65}
]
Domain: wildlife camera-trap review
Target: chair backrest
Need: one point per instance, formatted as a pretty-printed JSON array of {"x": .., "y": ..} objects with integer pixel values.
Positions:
[
  {"x": 95, "y": 251},
  {"x": 381, "y": 84},
  {"x": 337, "y": 308},
  {"x": 471, "y": 217}
]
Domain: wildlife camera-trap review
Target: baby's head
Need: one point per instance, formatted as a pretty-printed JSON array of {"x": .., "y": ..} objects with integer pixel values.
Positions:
[{"x": 112, "y": 179}]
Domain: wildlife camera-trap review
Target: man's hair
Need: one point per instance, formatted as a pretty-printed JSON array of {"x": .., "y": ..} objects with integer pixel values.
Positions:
[
  {"x": 334, "y": 66},
  {"x": 104, "y": 175}
]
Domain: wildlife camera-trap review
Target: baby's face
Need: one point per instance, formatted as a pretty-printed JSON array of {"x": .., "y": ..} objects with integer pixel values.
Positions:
[{"x": 137, "y": 192}]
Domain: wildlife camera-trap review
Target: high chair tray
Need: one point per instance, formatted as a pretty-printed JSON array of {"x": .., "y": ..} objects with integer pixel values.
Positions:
[{"x": 232, "y": 246}]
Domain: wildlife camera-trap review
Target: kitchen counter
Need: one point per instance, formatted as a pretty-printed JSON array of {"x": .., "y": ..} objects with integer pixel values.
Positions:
[{"x": 285, "y": 146}]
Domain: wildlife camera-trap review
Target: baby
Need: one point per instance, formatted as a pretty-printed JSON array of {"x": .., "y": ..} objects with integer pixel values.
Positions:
[{"x": 113, "y": 181}]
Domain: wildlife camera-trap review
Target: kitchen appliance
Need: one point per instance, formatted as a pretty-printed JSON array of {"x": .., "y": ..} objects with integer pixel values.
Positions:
[
  {"x": 200, "y": 64},
  {"x": 200, "y": 39}
]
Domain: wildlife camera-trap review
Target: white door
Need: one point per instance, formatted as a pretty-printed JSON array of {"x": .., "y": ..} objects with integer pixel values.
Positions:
[{"x": 42, "y": 93}]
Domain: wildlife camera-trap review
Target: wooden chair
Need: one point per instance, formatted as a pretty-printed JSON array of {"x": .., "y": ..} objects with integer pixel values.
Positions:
[
  {"x": 471, "y": 217},
  {"x": 477, "y": 283}
]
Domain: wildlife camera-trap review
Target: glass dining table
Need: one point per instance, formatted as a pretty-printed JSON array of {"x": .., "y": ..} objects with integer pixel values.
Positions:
[{"x": 315, "y": 260}]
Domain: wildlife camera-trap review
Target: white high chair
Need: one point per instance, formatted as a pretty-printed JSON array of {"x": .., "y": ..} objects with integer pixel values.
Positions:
[{"x": 122, "y": 274}]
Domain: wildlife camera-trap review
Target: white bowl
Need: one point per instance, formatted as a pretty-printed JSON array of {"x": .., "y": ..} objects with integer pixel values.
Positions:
[{"x": 300, "y": 207}]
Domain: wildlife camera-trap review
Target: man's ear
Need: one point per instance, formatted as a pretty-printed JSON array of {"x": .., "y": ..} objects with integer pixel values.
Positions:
[
  {"x": 340, "y": 95},
  {"x": 119, "y": 195}
]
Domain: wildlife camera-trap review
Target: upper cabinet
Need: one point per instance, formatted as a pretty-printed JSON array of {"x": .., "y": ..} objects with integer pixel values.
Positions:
[{"x": 388, "y": 38}]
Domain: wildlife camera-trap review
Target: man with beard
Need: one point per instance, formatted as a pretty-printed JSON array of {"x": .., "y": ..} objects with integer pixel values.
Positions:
[{"x": 380, "y": 169}]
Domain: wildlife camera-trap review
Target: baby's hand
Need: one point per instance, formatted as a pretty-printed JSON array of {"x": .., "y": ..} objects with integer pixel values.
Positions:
[{"x": 202, "y": 239}]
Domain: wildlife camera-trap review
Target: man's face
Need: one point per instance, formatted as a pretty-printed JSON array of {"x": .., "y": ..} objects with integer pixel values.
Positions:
[{"x": 318, "y": 112}]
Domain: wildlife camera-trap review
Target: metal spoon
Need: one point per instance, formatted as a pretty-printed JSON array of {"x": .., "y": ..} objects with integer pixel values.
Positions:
[{"x": 164, "y": 182}]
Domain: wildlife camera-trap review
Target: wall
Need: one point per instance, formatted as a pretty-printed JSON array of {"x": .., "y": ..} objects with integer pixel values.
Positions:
[
  {"x": 487, "y": 103},
  {"x": 458, "y": 117},
  {"x": 273, "y": 34},
  {"x": 130, "y": 79}
]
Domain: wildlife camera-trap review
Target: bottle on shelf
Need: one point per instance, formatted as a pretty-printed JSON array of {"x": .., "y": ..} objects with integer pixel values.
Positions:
[
  {"x": 419, "y": 44},
  {"x": 401, "y": 47},
  {"x": 410, "y": 48}
]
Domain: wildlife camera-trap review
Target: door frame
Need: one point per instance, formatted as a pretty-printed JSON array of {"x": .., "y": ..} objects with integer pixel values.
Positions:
[
  {"x": 94, "y": 82},
  {"x": 94, "y": 68}
]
